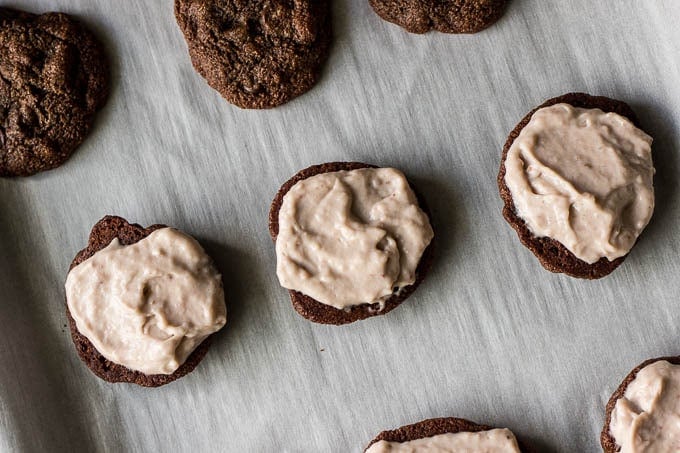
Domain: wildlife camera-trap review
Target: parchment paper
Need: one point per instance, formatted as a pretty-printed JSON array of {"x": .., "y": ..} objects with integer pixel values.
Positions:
[{"x": 489, "y": 336}]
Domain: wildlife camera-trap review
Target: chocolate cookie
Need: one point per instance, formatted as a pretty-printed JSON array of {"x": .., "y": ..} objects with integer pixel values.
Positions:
[
  {"x": 319, "y": 312},
  {"x": 431, "y": 427},
  {"x": 54, "y": 76},
  {"x": 101, "y": 236},
  {"x": 257, "y": 53},
  {"x": 551, "y": 253},
  {"x": 448, "y": 16},
  {"x": 606, "y": 440}
]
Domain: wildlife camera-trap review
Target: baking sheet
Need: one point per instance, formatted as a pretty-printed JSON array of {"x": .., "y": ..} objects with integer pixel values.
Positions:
[{"x": 489, "y": 336}]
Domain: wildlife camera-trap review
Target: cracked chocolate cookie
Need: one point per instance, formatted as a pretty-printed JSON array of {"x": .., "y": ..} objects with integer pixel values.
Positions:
[
  {"x": 257, "y": 53},
  {"x": 444, "y": 433},
  {"x": 151, "y": 301},
  {"x": 576, "y": 181},
  {"x": 448, "y": 16},
  {"x": 54, "y": 76},
  {"x": 352, "y": 240}
]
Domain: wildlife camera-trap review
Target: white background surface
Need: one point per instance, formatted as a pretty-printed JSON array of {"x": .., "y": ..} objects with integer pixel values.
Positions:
[{"x": 489, "y": 336}]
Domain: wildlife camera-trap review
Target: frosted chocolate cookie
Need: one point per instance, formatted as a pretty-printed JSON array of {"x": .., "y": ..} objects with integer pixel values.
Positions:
[
  {"x": 448, "y": 16},
  {"x": 642, "y": 414},
  {"x": 54, "y": 76},
  {"x": 576, "y": 178},
  {"x": 142, "y": 303},
  {"x": 257, "y": 53},
  {"x": 352, "y": 241},
  {"x": 444, "y": 435}
]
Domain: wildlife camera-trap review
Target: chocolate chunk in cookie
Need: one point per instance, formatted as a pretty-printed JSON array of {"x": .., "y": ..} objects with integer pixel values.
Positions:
[
  {"x": 54, "y": 76},
  {"x": 257, "y": 54},
  {"x": 319, "y": 312},
  {"x": 552, "y": 254},
  {"x": 448, "y": 16},
  {"x": 103, "y": 233}
]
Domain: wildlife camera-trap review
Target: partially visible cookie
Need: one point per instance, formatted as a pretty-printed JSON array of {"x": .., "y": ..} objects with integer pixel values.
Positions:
[
  {"x": 323, "y": 313},
  {"x": 257, "y": 54},
  {"x": 448, "y": 16},
  {"x": 436, "y": 427},
  {"x": 54, "y": 76},
  {"x": 552, "y": 254},
  {"x": 103, "y": 233},
  {"x": 645, "y": 401}
]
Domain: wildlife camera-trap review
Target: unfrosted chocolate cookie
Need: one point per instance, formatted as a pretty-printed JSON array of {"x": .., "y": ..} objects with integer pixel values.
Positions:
[
  {"x": 431, "y": 427},
  {"x": 607, "y": 441},
  {"x": 551, "y": 253},
  {"x": 102, "y": 234},
  {"x": 54, "y": 76},
  {"x": 448, "y": 16},
  {"x": 325, "y": 314},
  {"x": 257, "y": 53}
]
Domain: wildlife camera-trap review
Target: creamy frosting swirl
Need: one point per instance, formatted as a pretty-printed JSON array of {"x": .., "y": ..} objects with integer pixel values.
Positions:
[
  {"x": 148, "y": 305},
  {"x": 351, "y": 237},
  {"x": 647, "y": 418},
  {"x": 584, "y": 178}
]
